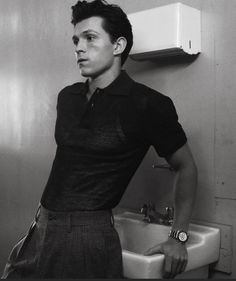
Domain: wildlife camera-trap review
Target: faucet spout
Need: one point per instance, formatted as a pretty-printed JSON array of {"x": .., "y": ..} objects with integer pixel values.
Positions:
[{"x": 153, "y": 216}]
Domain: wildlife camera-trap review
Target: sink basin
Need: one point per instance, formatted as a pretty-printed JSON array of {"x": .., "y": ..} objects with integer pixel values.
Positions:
[{"x": 137, "y": 236}]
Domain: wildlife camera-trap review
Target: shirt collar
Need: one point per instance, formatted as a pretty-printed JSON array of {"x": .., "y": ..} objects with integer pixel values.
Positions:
[{"x": 120, "y": 86}]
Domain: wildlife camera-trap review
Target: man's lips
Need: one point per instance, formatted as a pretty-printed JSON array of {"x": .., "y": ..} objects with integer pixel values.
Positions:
[{"x": 81, "y": 60}]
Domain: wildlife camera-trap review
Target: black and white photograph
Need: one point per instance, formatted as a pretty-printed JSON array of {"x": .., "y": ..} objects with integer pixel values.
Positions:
[{"x": 117, "y": 139}]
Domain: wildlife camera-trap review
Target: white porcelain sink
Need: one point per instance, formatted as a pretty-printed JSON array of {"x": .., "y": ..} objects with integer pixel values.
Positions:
[{"x": 137, "y": 236}]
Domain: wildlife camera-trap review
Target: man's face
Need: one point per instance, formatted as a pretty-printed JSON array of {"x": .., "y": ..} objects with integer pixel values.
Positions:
[{"x": 94, "y": 49}]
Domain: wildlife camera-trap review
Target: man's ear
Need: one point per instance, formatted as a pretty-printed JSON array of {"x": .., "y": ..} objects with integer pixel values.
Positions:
[{"x": 119, "y": 46}]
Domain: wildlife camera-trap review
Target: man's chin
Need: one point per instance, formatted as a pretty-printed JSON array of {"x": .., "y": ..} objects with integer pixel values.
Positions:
[
  {"x": 85, "y": 73},
  {"x": 88, "y": 74}
]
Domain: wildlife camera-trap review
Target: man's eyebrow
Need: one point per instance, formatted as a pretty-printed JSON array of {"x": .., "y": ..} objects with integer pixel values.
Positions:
[
  {"x": 75, "y": 37},
  {"x": 90, "y": 31}
]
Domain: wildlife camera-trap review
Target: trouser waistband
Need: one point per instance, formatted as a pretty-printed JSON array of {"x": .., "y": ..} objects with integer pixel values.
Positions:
[{"x": 74, "y": 217}]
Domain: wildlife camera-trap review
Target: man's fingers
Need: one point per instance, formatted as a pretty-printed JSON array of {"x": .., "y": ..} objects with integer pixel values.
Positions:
[
  {"x": 184, "y": 265},
  {"x": 154, "y": 250},
  {"x": 167, "y": 267},
  {"x": 180, "y": 266},
  {"x": 174, "y": 266}
]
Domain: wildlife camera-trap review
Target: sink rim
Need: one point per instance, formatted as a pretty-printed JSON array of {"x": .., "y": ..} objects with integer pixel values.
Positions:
[{"x": 194, "y": 228}]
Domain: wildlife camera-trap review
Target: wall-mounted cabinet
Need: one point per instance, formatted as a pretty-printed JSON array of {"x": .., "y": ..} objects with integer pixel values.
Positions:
[{"x": 164, "y": 31}]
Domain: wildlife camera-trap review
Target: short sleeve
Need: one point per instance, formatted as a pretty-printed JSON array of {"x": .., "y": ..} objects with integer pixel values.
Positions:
[{"x": 161, "y": 128}]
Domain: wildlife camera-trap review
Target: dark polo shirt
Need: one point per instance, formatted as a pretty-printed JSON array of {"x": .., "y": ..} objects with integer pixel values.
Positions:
[{"x": 101, "y": 142}]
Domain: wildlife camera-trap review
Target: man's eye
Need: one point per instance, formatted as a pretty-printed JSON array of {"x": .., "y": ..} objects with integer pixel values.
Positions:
[
  {"x": 90, "y": 37},
  {"x": 75, "y": 42}
]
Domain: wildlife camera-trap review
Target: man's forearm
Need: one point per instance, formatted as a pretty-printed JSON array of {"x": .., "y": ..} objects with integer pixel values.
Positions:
[{"x": 184, "y": 196}]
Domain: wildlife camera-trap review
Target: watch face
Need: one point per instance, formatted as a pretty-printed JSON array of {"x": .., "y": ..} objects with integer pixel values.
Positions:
[{"x": 183, "y": 236}]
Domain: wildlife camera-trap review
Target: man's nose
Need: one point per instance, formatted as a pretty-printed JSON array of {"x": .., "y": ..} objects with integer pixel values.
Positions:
[{"x": 80, "y": 47}]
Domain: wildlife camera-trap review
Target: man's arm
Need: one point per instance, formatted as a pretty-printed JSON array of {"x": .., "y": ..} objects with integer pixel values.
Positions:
[
  {"x": 186, "y": 185},
  {"x": 184, "y": 197}
]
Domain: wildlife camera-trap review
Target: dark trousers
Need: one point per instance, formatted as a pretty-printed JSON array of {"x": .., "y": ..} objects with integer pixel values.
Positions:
[{"x": 67, "y": 245}]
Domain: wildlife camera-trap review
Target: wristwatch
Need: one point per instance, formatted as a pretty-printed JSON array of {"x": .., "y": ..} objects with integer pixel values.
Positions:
[{"x": 179, "y": 235}]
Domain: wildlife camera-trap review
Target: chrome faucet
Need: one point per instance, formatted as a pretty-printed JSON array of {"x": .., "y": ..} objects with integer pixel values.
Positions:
[{"x": 152, "y": 216}]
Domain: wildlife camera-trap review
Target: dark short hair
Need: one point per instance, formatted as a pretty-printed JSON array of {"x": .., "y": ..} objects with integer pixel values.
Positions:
[{"x": 115, "y": 21}]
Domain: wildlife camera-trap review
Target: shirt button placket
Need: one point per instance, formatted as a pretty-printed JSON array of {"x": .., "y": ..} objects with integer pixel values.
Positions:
[{"x": 93, "y": 104}]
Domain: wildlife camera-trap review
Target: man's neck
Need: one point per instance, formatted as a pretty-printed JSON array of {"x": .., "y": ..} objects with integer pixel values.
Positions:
[{"x": 103, "y": 80}]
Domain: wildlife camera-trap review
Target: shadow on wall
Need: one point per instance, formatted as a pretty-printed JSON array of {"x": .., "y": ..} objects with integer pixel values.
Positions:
[{"x": 160, "y": 62}]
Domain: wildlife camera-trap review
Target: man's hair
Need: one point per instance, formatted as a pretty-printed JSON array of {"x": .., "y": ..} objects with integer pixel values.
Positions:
[{"x": 115, "y": 21}]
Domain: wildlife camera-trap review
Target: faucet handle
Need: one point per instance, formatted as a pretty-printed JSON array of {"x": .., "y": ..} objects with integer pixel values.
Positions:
[
  {"x": 170, "y": 212},
  {"x": 144, "y": 209}
]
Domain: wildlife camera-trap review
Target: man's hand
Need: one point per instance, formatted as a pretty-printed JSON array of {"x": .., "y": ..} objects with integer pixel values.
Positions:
[{"x": 176, "y": 256}]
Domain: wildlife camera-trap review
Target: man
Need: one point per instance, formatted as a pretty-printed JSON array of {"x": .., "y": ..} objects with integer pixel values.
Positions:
[{"x": 104, "y": 129}]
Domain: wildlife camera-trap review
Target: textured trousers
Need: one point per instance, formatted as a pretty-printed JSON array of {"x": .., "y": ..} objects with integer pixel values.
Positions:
[{"x": 80, "y": 244}]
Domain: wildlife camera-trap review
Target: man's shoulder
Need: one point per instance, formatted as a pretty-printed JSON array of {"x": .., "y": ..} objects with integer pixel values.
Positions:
[
  {"x": 142, "y": 92},
  {"x": 74, "y": 88}
]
